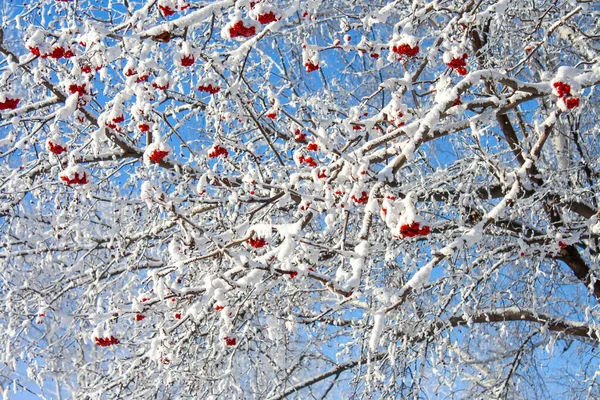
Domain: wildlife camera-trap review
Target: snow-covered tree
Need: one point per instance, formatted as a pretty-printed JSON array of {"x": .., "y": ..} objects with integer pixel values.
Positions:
[{"x": 305, "y": 199}]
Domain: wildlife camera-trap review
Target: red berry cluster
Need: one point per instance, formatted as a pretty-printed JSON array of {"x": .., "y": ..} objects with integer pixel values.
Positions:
[
  {"x": 571, "y": 102},
  {"x": 564, "y": 91},
  {"x": 144, "y": 127},
  {"x": 362, "y": 199},
  {"x": 230, "y": 341},
  {"x": 218, "y": 151},
  {"x": 209, "y": 88},
  {"x": 56, "y": 148},
  {"x": 158, "y": 155},
  {"x": 9, "y": 104},
  {"x": 107, "y": 341},
  {"x": 257, "y": 242},
  {"x": 166, "y": 10},
  {"x": 139, "y": 317},
  {"x": 188, "y": 61},
  {"x": 293, "y": 274},
  {"x": 130, "y": 72},
  {"x": 414, "y": 229},
  {"x": 459, "y": 64},
  {"x": 405, "y": 50},
  {"x": 238, "y": 29},
  {"x": 219, "y": 308},
  {"x": 118, "y": 119},
  {"x": 310, "y": 66},
  {"x": 79, "y": 89},
  {"x": 307, "y": 160},
  {"x": 160, "y": 87},
  {"x": 271, "y": 115},
  {"x": 56, "y": 53},
  {"x": 113, "y": 124},
  {"x": 178, "y": 316},
  {"x": 267, "y": 18},
  {"x": 299, "y": 136},
  {"x": 76, "y": 180},
  {"x": 313, "y": 147},
  {"x": 143, "y": 78},
  {"x": 322, "y": 174}
]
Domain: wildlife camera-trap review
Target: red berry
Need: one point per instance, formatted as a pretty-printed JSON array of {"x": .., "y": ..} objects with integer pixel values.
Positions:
[
  {"x": 293, "y": 274},
  {"x": 76, "y": 180},
  {"x": 562, "y": 245},
  {"x": 107, "y": 341},
  {"x": 414, "y": 230},
  {"x": 143, "y": 78},
  {"x": 158, "y": 155},
  {"x": 188, "y": 61},
  {"x": 230, "y": 341},
  {"x": 300, "y": 137},
  {"x": 79, "y": 89},
  {"x": 362, "y": 199},
  {"x": 257, "y": 242},
  {"x": 572, "y": 102},
  {"x": 160, "y": 87},
  {"x": 219, "y": 308},
  {"x": 209, "y": 88},
  {"x": 308, "y": 160},
  {"x": 166, "y": 10},
  {"x": 267, "y": 18},
  {"x": 238, "y": 29},
  {"x": 35, "y": 51},
  {"x": 406, "y": 50},
  {"x": 9, "y": 104},
  {"x": 57, "y": 52},
  {"x": 312, "y": 147},
  {"x": 56, "y": 148},
  {"x": 310, "y": 66},
  {"x": 139, "y": 317},
  {"x": 563, "y": 89},
  {"x": 144, "y": 127},
  {"x": 458, "y": 62},
  {"x": 218, "y": 151}
]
